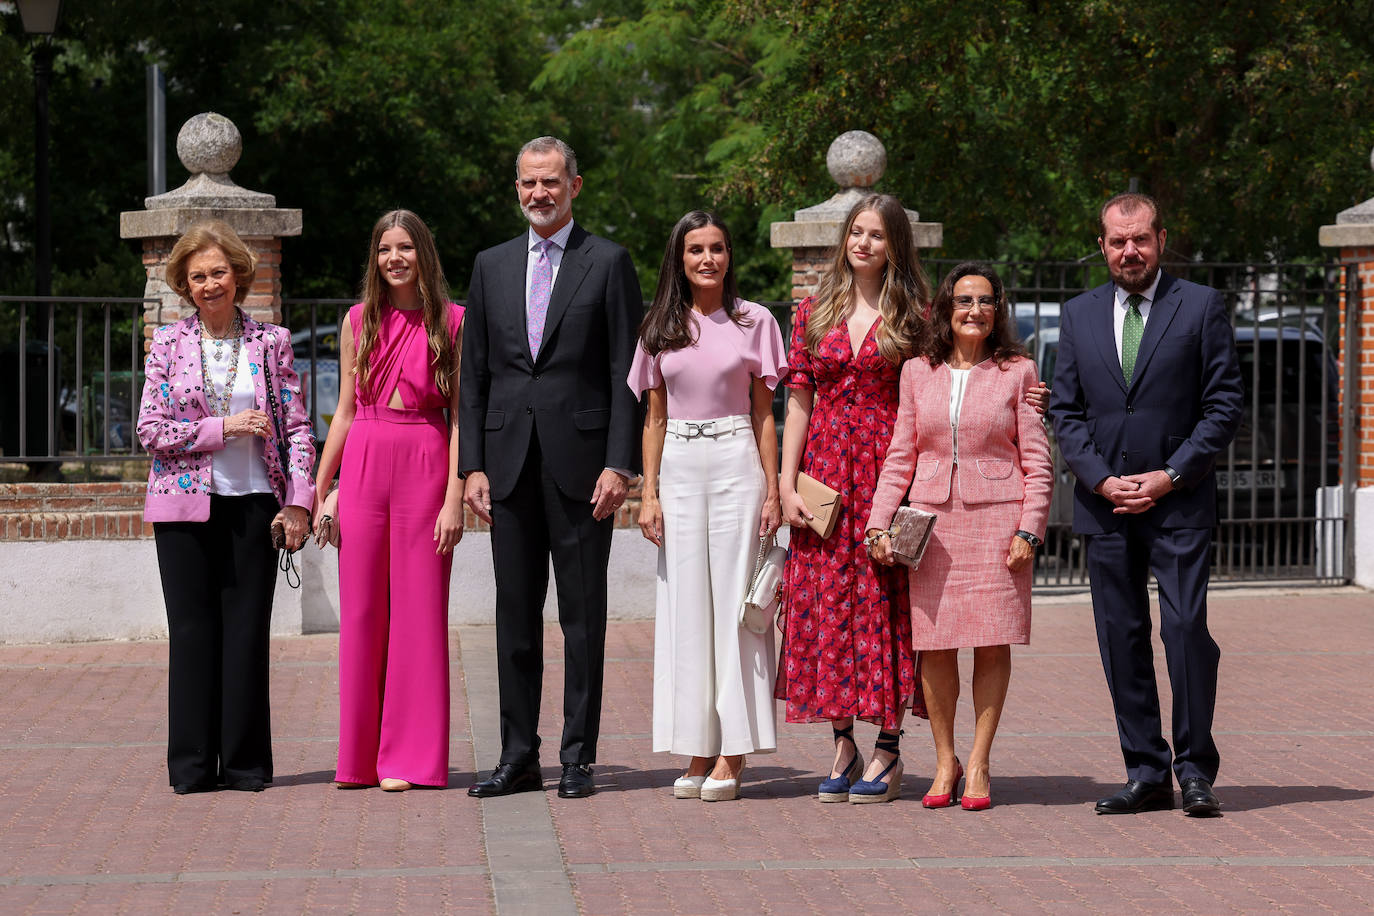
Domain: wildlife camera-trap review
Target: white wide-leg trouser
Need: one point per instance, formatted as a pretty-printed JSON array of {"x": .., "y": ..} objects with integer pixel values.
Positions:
[{"x": 713, "y": 679}]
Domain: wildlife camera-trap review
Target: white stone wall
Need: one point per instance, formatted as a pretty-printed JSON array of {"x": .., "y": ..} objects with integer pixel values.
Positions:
[{"x": 69, "y": 591}]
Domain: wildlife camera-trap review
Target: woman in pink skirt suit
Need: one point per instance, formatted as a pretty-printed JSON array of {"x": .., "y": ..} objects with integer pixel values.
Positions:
[
  {"x": 970, "y": 448},
  {"x": 400, "y": 512}
]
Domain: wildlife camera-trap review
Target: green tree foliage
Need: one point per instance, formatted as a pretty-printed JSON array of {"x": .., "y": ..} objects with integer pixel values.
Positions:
[
  {"x": 655, "y": 98},
  {"x": 1011, "y": 121},
  {"x": 1007, "y": 120}
]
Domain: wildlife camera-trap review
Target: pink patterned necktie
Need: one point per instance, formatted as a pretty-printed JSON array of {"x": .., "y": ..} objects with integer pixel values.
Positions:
[{"x": 541, "y": 284}]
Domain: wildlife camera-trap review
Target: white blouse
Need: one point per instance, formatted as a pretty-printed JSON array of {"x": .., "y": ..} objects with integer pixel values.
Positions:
[
  {"x": 958, "y": 382},
  {"x": 239, "y": 468}
]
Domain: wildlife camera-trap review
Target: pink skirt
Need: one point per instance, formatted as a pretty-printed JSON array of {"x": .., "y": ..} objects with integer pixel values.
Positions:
[{"x": 963, "y": 595}]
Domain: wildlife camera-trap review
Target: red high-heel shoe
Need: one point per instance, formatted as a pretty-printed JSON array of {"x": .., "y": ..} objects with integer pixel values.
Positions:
[
  {"x": 947, "y": 799},
  {"x": 975, "y": 803}
]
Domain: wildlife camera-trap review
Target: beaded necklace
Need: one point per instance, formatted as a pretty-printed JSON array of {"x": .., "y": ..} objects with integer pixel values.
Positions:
[{"x": 218, "y": 398}]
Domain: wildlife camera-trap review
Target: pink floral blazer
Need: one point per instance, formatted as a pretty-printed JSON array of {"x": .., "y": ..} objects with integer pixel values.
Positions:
[{"x": 176, "y": 428}]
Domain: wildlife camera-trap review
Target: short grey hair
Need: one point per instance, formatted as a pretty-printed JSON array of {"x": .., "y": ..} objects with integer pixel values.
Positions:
[{"x": 545, "y": 145}]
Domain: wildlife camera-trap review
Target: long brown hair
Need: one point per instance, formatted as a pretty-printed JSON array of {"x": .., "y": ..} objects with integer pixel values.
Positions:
[
  {"x": 431, "y": 286},
  {"x": 666, "y": 325},
  {"x": 905, "y": 293},
  {"x": 938, "y": 342}
]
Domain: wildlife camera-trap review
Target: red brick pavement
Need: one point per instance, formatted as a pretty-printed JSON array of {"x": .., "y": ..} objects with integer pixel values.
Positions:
[{"x": 88, "y": 824}]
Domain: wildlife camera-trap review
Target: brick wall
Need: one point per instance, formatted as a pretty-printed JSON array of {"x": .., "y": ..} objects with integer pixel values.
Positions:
[
  {"x": 114, "y": 511},
  {"x": 808, "y": 266},
  {"x": 58, "y": 511},
  {"x": 1364, "y": 410}
]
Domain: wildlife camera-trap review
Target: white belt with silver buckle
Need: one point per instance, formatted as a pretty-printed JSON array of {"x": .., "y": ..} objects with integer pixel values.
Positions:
[{"x": 704, "y": 429}]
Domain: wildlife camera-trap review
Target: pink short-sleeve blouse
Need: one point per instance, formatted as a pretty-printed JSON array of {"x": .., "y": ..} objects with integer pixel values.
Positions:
[{"x": 713, "y": 376}]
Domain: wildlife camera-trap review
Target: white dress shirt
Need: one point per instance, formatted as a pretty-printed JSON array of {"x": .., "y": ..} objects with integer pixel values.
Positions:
[
  {"x": 559, "y": 242},
  {"x": 1119, "y": 313}
]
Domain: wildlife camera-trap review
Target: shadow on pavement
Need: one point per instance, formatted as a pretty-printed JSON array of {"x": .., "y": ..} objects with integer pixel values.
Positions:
[{"x": 1252, "y": 798}]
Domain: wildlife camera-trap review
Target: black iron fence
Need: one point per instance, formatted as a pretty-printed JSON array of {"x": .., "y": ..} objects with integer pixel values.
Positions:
[
  {"x": 74, "y": 370},
  {"x": 1282, "y": 511},
  {"x": 73, "y": 373}
]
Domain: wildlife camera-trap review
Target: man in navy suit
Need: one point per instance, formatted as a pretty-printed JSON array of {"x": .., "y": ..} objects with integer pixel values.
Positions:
[
  {"x": 548, "y": 437},
  {"x": 1147, "y": 393}
]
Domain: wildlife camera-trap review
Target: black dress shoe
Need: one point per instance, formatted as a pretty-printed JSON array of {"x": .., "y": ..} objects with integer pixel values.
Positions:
[
  {"x": 1137, "y": 796},
  {"x": 576, "y": 781},
  {"x": 190, "y": 788},
  {"x": 248, "y": 784},
  {"x": 1198, "y": 798},
  {"x": 506, "y": 779}
]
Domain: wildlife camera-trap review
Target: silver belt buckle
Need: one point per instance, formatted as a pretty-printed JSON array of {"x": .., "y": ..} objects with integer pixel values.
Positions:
[{"x": 699, "y": 430}]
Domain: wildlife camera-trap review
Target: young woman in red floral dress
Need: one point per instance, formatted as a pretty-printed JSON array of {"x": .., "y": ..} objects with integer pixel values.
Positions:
[{"x": 847, "y": 632}]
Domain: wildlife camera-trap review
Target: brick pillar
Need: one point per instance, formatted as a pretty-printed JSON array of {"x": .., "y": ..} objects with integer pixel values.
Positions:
[
  {"x": 1354, "y": 239},
  {"x": 1359, "y": 358},
  {"x": 1352, "y": 235},
  {"x": 856, "y": 160},
  {"x": 209, "y": 145}
]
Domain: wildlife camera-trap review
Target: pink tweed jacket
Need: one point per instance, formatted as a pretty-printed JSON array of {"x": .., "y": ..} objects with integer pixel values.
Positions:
[
  {"x": 176, "y": 428},
  {"x": 1004, "y": 454}
]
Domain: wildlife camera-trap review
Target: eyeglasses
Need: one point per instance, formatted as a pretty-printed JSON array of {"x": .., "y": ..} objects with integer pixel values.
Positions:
[{"x": 985, "y": 303}]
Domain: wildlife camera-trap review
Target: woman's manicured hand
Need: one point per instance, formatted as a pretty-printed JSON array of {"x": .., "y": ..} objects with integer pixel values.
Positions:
[
  {"x": 793, "y": 509},
  {"x": 880, "y": 547},
  {"x": 651, "y": 519}
]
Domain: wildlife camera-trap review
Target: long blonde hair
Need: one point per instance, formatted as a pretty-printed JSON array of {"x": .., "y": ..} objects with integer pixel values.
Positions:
[
  {"x": 905, "y": 294},
  {"x": 431, "y": 286}
]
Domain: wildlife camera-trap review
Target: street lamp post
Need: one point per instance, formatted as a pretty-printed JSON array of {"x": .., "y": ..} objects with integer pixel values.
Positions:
[{"x": 40, "y": 19}]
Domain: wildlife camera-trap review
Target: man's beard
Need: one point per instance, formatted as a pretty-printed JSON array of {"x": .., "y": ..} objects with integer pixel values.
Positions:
[{"x": 1134, "y": 280}]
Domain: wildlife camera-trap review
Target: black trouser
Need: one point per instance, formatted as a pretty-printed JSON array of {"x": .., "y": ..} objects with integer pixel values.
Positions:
[
  {"x": 535, "y": 522},
  {"x": 1119, "y": 567},
  {"x": 217, "y": 581}
]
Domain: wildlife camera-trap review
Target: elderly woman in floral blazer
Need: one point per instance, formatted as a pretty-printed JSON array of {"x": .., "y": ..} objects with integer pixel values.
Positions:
[{"x": 222, "y": 418}]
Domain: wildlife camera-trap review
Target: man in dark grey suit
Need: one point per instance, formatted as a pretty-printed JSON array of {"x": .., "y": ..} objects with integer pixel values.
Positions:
[
  {"x": 548, "y": 437},
  {"x": 1147, "y": 392}
]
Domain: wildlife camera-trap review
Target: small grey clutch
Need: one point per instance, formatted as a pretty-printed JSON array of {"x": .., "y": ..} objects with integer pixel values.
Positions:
[{"x": 910, "y": 533}]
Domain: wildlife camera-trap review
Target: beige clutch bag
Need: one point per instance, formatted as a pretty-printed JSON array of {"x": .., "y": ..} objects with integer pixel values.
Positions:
[
  {"x": 822, "y": 502},
  {"x": 910, "y": 533}
]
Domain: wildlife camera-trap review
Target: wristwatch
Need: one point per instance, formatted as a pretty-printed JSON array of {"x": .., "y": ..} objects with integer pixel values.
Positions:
[
  {"x": 1030, "y": 538},
  {"x": 1174, "y": 477}
]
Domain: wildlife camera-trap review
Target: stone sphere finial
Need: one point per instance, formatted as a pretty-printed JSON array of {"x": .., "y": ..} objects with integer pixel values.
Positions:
[
  {"x": 856, "y": 159},
  {"x": 209, "y": 144}
]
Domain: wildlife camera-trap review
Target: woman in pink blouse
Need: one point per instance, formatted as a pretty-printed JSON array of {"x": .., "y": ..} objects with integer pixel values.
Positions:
[{"x": 709, "y": 362}]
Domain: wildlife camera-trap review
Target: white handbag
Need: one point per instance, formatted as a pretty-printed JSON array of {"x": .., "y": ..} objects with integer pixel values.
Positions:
[{"x": 761, "y": 603}]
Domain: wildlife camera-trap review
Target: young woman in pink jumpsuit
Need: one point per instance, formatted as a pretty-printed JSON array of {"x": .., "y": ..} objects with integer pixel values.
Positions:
[{"x": 400, "y": 512}]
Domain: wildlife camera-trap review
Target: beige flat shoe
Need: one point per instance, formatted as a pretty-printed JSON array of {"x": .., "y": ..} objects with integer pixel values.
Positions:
[
  {"x": 394, "y": 785},
  {"x": 351, "y": 785}
]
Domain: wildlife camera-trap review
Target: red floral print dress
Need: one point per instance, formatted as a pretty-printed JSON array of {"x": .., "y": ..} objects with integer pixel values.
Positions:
[{"x": 846, "y": 647}]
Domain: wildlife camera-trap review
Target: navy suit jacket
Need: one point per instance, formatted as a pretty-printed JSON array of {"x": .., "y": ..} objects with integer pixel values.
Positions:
[
  {"x": 1182, "y": 408},
  {"x": 575, "y": 393}
]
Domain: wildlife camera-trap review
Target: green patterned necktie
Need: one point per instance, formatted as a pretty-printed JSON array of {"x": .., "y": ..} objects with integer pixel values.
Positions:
[{"x": 1132, "y": 328}]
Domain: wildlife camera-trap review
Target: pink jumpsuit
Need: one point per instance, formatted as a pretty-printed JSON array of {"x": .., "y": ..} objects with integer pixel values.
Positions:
[{"x": 393, "y": 587}]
